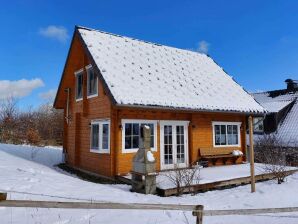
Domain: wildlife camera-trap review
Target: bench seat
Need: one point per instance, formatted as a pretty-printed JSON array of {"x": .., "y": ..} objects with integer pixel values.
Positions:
[{"x": 213, "y": 154}]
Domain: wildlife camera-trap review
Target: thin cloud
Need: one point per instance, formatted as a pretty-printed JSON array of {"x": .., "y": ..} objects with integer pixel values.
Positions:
[
  {"x": 49, "y": 95},
  {"x": 203, "y": 47},
  {"x": 59, "y": 33},
  {"x": 19, "y": 88}
]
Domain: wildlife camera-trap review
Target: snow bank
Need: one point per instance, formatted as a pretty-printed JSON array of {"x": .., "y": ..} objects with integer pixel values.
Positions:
[{"x": 48, "y": 156}]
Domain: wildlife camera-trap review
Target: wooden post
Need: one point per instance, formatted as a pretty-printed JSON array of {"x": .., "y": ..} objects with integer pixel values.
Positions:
[
  {"x": 251, "y": 153},
  {"x": 198, "y": 212},
  {"x": 3, "y": 196}
]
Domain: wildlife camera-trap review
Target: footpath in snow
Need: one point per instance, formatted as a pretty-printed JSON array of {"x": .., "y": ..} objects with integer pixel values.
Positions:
[{"x": 28, "y": 173}]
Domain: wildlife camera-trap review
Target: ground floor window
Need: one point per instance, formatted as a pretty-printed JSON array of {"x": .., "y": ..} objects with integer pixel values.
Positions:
[
  {"x": 131, "y": 134},
  {"x": 226, "y": 133},
  {"x": 100, "y": 136}
]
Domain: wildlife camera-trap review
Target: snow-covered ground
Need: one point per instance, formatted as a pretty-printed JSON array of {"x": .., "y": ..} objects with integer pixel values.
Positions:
[
  {"x": 29, "y": 174},
  {"x": 217, "y": 173}
]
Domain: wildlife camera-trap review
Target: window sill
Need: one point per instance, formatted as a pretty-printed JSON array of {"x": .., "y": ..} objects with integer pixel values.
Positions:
[
  {"x": 227, "y": 146},
  {"x": 78, "y": 100},
  {"x": 92, "y": 96},
  {"x": 100, "y": 151},
  {"x": 124, "y": 151}
]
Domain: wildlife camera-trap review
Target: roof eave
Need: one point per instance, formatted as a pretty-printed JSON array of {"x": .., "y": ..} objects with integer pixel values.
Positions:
[
  {"x": 188, "y": 110},
  {"x": 60, "y": 83}
]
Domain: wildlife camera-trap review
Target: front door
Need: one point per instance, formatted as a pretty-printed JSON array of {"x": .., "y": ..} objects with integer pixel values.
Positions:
[{"x": 173, "y": 144}]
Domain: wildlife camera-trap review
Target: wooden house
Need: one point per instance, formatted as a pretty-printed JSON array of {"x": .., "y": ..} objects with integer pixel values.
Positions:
[{"x": 112, "y": 84}]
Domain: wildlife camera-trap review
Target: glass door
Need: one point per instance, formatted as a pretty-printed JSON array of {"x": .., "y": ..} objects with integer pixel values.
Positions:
[{"x": 174, "y": 148}]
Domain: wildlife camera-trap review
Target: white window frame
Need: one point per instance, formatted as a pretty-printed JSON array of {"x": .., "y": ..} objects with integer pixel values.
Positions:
[
  {"x": 79, "y": 72},
  {"x": 137, "y": 121},
  {"x": 226, "y": 123},
  {"x": 88, "y": 67},
  {"x": 100, "y": 149}
]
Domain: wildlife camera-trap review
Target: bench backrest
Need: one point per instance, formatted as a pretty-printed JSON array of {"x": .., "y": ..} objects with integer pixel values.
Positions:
[{"x": 215, "y": 151}]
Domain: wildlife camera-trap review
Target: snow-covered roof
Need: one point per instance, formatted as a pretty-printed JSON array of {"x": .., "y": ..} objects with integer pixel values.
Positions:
[
  {"x": 273, "y": 107},
  {"x": 274, "y": 104},
  {"x": 287, "y": 130},
  {"x": 147, "y": 74}
]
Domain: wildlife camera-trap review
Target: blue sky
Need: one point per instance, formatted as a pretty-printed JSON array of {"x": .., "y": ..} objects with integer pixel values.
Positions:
[{"x": 256, "y": 42}]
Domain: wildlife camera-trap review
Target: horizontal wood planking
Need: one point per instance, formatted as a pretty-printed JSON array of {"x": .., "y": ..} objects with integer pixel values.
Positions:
[
  {"x": 200, "y": 132},
  {"x": 77, "y": 132}
]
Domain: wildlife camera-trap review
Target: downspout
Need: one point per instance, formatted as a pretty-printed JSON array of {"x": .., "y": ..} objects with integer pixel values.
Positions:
[
  {"x": 67, "y": 90},
  {"x": 67, "y": 118}
]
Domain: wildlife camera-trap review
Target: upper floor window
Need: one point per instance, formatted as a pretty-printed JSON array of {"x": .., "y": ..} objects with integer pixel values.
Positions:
[
  {"x": 79, "y": 84},
  {"x": 131, "y": 134},
  {"x": 226, "y": 134},
  {"x": 92, "y": 82}
]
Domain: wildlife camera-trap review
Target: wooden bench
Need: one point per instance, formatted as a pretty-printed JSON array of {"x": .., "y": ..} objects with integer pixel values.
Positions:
[{"x": 212, "y": 155}]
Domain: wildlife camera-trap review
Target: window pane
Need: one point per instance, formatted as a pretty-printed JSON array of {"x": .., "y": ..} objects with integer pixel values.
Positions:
[
  {"x": 95, "y": 136},
  {"x": 128, "y": 129},
  {"x": 235, "y": 134},
  {"x": 128, "y": 143},
  {"x": 152, "y": 141},
  {"x": 217, "y": 134},
  {"x": 223, "y": 140},
  {"x": 235, "y": 129},
  {"x": 230, "y": 132},
  {"x": 79, "y": 85},
  {"x": 105, "y": 136},
  {"x": 92, "y": 82},
  {"x": 135, "y": 129},
  {"x": 135, "y": 142}
]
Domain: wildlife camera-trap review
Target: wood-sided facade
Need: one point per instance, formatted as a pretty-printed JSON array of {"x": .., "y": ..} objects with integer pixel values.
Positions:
[{"x": 197, "y": 127}]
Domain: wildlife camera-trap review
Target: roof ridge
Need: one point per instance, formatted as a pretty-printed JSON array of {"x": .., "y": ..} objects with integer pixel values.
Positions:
[{"x": 136, "y": 39}]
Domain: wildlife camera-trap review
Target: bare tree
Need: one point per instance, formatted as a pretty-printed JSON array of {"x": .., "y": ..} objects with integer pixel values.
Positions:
[
  {"x": 183, "y": 178},
  {"x": 271, "y": 151},
  {"x": 8, "y": 120}
]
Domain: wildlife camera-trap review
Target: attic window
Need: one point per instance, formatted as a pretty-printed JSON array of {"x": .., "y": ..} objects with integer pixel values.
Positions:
[
  {"x": 92, "y": 82},
  {"x": 79, "y": 84}
]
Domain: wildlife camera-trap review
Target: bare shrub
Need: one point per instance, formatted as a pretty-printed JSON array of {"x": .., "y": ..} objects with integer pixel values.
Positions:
[
  {"x": 42, "y": 126},
  {"x": 271, "y": 151},
  {"x": 49, "y": 123},
  {"x": 183, "y": 178},
  {"x": 32, "y": 136}
]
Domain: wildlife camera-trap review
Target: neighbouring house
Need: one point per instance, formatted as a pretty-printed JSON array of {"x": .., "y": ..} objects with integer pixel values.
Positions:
[
  {"x": 112, "y": 84},
  {"x": 282, "y": 116}
]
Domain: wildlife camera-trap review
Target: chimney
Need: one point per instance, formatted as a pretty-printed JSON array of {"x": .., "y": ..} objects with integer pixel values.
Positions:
[{"x": 292, "y": 85}]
